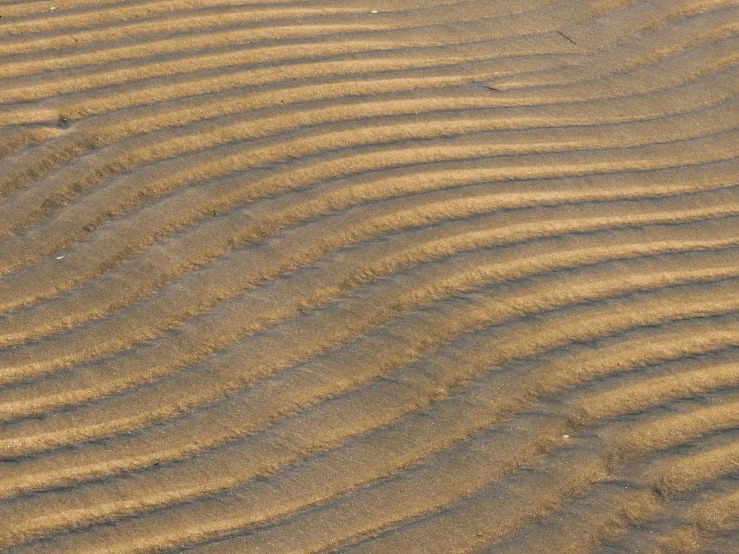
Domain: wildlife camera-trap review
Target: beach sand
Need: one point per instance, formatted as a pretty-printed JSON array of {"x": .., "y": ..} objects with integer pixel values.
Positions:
[{"x": 411, "y": 276}]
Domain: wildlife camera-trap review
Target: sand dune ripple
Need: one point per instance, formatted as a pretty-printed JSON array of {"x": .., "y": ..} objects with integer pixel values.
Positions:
[{"x": 426, "y": 276}]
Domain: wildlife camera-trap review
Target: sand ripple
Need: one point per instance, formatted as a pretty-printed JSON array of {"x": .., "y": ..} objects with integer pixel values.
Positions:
[{"x": 424, "y": 276}]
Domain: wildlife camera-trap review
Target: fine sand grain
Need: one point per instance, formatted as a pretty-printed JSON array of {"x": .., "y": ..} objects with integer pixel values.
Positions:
[{"x": 408, "y": 276}]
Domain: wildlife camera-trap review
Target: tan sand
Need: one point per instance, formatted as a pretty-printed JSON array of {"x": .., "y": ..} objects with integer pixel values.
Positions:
[{"x": 411, "y": 276}]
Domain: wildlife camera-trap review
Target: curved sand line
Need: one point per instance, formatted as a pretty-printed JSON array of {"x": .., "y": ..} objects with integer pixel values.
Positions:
[{"x": 426, "y": 276}]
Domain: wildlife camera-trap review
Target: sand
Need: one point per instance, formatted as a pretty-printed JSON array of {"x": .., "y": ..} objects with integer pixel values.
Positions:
[{"x": 418, "y": 276}]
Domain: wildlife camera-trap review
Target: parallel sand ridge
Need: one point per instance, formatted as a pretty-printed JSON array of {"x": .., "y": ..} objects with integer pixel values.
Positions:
[{"x": 369, "y": 277}]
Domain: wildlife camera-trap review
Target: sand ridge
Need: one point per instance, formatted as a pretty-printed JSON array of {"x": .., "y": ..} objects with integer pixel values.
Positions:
[{"x": 426, "y": 276}]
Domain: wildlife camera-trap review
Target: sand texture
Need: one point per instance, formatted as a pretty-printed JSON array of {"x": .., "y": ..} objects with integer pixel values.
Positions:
[{"x": 388, "y": 276}]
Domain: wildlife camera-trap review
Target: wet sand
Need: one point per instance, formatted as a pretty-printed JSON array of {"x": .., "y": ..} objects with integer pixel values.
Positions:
[{"x": 418, "y": 276}]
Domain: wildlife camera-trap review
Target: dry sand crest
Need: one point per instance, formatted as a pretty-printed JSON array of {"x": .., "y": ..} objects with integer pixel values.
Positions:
[{"x": 347, "y": 276}]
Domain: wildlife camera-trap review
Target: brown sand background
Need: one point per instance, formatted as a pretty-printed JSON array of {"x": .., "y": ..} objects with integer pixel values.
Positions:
[{"x": 293, "y": 276}]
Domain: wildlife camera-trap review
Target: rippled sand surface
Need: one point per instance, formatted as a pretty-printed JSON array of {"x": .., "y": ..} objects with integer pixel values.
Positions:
[{"x": 408, "y": 276}]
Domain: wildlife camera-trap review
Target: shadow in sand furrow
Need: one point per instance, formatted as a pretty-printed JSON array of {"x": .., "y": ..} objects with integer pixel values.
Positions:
[
  {"x": 630, "y": 498},
  {"x": 565, "y": 163},
  {"x": 597, "y": 321},
  {"x": 239, "y": 33},
  {"x": 488, "y": 452},
  {"x": 92, "y": 210},
  {"x": 347, "y": 276},
  {"x": 351, "y": 357},
  {"x": 701, "y": 521},
  {"x": 150, "y": 319},
  {"x": 485, "y": 314},
  {"x": 46, "y": 29}
]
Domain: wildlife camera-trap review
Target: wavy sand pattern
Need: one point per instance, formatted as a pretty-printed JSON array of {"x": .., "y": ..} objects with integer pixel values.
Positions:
[{"x": 418, "y": 276}]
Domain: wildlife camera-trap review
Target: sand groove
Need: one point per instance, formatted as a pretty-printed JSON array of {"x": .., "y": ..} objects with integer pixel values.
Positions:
[{"x": 427, "y": 276}]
